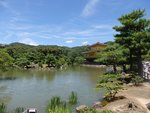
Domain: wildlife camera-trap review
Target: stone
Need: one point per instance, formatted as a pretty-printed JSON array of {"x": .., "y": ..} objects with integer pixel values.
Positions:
[
  {"x": 81, "y": 108},
  {"x": 97, "y": 105}
]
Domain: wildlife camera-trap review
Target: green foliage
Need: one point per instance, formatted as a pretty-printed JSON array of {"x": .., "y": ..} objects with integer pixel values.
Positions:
[
  {"x": 2, "y": 108},
  {"x": 73, "y": 98},
  {"x": 50, "y": 60},
  {"x": 91, "y": 111},
  {"x": 5, "y": 59},
  {"x": 79, "y": 60},
  {"x": 137, "y": 80},
  {"x": 57, "y": 106},
  {"x": 53, "y": 56},
  {"x": 104, "y": 102},
  {"x": 59, "y": 110},
  {"x": 54, "y": 102},
  {"x": 107, "y": 111},
  {"x": 134, "y": 35},
  {"x": 147, "y": 56},
  {"x": 113, "y": 54},
  {"x": 112, "y": 85},
  {"x": 22, "y": 61},
  {"x": 19, "y": 110},
  {"x": 95, "y": 111}
]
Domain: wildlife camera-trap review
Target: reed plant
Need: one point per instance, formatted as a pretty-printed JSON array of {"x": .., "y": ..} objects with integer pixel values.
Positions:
[
  {"x": 73, "y": 98},
  {"x": 58, "y": 106},
  {"x": 19, "y": 110},
  {"x": 2, "y": 108}
]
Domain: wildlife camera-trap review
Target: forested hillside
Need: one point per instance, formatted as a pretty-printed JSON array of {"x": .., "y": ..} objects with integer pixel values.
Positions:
[{"x": 24, "y": 55}]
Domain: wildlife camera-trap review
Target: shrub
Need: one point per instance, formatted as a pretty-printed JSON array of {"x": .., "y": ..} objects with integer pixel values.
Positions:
[
  {"x": 137, "y": 80},
  {"x": 112, "y": 85},
  {"x": 104, "y": 103},
  {"x": 73, "y": 98}
]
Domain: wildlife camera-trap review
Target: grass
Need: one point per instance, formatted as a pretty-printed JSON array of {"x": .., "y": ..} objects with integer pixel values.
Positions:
[
  {"x": 73, "y": 98},
  {"x": 57, "y": 106},
  {"x": 2, "y": 108}
]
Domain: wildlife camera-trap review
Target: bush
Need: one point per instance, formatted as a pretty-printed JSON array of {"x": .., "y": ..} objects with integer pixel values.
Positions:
[
  {"x": 73, "y": 98},
  {"x": 137, "y": 80},
  {"x": 111, "y": 83},
  {"x": 104, "y": 103}
]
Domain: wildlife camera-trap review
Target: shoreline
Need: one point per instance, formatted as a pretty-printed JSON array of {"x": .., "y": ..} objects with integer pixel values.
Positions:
[
  {"x": 93, "y": 65},
  {"x": 137, "y": 96}
]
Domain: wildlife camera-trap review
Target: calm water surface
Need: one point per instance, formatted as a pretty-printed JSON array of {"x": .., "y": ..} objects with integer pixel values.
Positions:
[{"x": 33, "y": 88}]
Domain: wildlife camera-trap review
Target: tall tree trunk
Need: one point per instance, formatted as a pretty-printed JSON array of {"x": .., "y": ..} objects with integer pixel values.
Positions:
[
  {"x": 131, "y": 61},
  {"x": 124, "y": 67},
  {"x": 140, "y": 65},
  {"x": 114, "y": 68}
]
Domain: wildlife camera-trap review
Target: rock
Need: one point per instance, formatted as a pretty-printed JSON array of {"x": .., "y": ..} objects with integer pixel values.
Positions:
[
  {"x": 97, "y": 105},
  {"x": 81, "y": 108},
  {"x": 131, "y": 107},
  {"x": 148, "y": 105}
]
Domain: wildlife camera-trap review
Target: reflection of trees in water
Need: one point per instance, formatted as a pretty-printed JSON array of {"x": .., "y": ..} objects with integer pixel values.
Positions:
[
  {"x": 4, "y": 96},
  {"x": 5, "y": 99},
  {"x": 7, "y": 78}
]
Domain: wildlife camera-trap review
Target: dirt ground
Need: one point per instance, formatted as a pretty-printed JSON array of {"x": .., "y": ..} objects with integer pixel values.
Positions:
[{"x": 134, "y": 102}]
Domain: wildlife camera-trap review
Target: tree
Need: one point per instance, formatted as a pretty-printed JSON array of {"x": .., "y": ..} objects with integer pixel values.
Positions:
[
  {"x": 22, "y": 61},
  {"x": 114, "y": 55},
  {"x": 5, "y": 59},
  {"x": 50, "y": 60},
  {"x": 112, "y": 85},
  {"x": 134, "y": 35}
]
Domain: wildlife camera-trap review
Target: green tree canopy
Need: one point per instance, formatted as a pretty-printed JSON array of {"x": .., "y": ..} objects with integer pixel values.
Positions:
[
  {"x": 5, "y": 59},
  {"x": 113, "y": 54},
  {"x": 134, "y": 35}
]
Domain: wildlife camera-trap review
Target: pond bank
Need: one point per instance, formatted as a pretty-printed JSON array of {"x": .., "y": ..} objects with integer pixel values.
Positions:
[
  {"x": 135, "y": 100},
  {"x": 93, "y": 65}
]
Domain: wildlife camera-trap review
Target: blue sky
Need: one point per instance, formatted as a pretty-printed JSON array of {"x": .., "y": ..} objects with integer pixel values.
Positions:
[{"x": 63, "y": 22}]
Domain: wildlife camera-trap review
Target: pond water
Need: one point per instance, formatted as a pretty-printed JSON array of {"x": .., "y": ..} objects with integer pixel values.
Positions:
[{"x": 32, "y": 88}]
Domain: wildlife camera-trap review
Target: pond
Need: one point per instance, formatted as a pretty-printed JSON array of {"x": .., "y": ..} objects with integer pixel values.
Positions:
[{"x": 32, "y": 88}]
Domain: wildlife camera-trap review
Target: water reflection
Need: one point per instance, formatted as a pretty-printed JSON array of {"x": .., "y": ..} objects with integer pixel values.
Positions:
[{"x": 33, "y": 88}]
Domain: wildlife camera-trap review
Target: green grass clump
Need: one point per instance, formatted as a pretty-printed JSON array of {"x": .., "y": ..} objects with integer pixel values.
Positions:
[
  {"x": 107, "y": 111},
  {"x": 2, "y": 108},
  {"x": 19, "y": 110},
  {"x": 59, "y": 110},
  {"x": 73, "y": 98},
  {"x": 57, "y": 106}
]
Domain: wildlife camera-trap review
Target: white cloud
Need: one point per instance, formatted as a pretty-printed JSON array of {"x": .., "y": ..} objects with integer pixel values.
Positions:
[
  {"x": 85, "y": 43},
  {"x": 89, "y": 7},
  {"x": 102, "y": 26},
  {"x": 28, "y": 41},
  {"x": 69, "y": 41}
]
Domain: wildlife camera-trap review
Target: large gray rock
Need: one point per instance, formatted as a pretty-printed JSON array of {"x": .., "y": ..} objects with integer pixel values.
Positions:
[{"x": 81, "y": 108}]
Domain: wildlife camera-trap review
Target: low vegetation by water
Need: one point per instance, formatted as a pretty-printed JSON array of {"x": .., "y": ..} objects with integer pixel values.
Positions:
[{"x": 73, "y": 98}]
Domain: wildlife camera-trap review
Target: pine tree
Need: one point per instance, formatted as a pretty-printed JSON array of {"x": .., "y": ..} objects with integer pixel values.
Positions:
[{"x": 134, "y": 34}]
